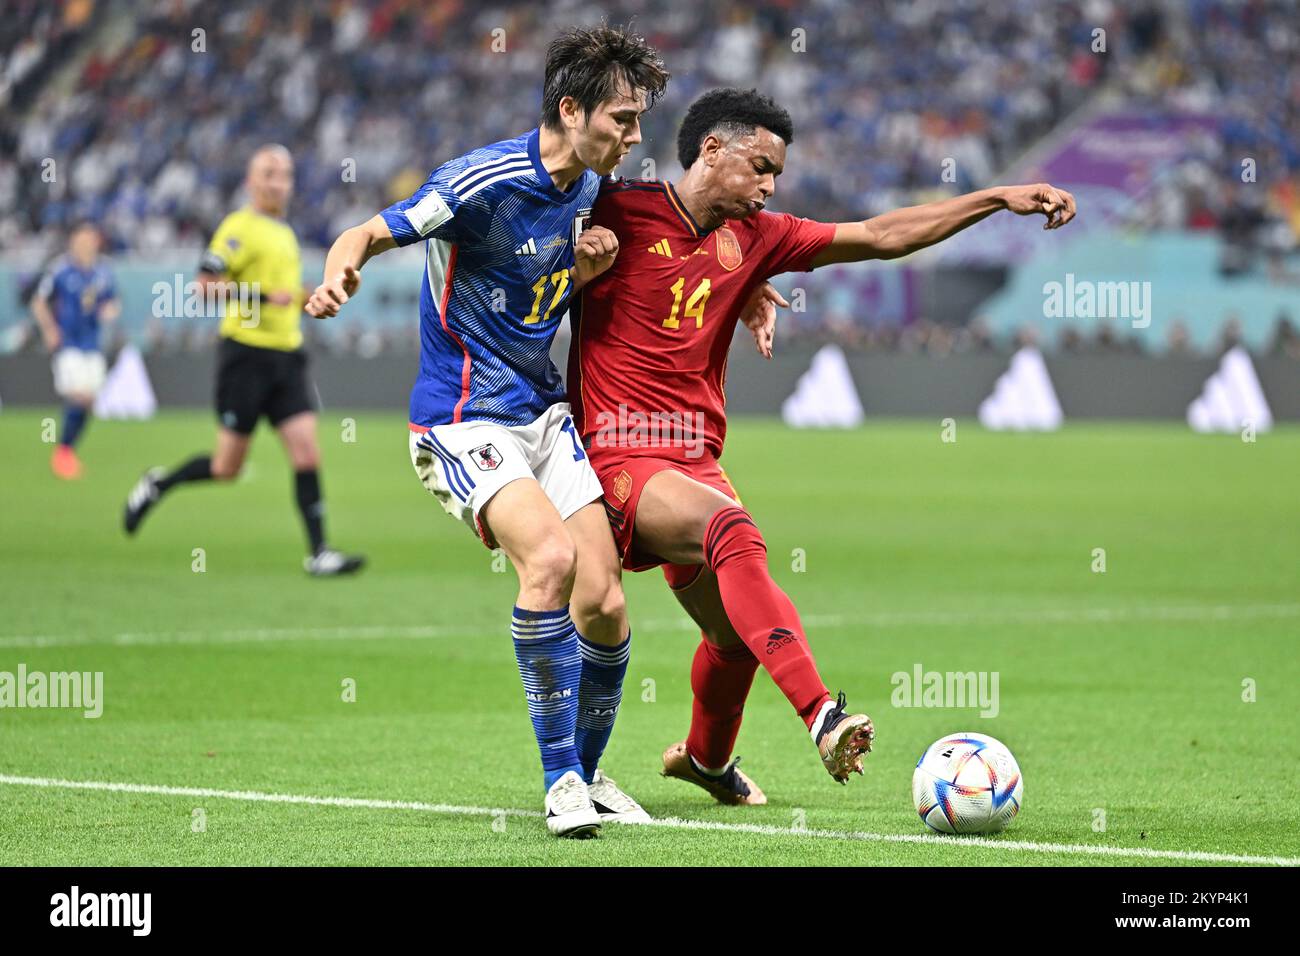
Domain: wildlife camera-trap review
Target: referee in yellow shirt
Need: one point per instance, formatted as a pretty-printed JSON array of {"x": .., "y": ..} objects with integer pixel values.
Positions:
[{"x": 262, "y": 366}]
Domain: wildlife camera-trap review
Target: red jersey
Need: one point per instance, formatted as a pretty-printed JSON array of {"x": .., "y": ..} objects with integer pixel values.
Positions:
[{"x": 648, "y": 359}]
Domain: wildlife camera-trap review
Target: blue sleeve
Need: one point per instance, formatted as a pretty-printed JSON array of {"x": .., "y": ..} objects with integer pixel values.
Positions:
[
  {"x": 108, "y": 288},
  {"x": 435, "y": 211}
]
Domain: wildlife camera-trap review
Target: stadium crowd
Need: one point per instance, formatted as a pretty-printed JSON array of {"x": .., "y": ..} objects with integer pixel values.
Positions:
[
  {"x": 369, "y": 93},
  {"x": 153, "y": 113}
]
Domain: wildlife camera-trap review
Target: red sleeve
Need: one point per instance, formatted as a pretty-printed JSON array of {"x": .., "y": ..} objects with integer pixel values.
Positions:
[{"x": 793, "y": 243}]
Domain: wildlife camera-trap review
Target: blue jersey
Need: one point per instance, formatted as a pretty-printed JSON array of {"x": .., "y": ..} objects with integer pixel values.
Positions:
[
  {"x": 497, "y": 280},
  {"x": 75, "y": 296}
]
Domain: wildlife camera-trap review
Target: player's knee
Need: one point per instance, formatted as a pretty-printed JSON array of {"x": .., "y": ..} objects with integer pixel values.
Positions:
[
  {"x": 226, "y": 470},
  {"x": 731, "y": 534},
  {"x": 722, "y": 634},
  {"x": 609, "y": 603},
  {"x": 306, "y": 460},
  {"x": 548, "y": 571}
]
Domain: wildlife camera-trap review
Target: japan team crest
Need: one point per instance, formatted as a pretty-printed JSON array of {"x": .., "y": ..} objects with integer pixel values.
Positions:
[
  {"x": 486, "y": 457},
  {"x": 729, "y": 256}
]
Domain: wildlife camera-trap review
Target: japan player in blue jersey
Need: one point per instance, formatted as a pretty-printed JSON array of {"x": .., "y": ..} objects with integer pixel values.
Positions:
[
  {"x": 76, "y": 295},
  {"x": 490, "y": 431}
]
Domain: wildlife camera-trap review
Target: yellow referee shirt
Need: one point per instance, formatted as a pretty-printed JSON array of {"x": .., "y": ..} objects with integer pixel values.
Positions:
[{"x": 261, "y": 254}]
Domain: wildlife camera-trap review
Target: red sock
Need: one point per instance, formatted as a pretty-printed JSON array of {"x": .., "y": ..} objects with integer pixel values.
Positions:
[
  {"x": 762, "y": 614},
  {"x": 720, "y": 678}
]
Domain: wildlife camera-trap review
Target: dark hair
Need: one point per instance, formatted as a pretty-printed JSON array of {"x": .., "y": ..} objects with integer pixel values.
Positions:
[
  {"x": 588, "y": 63},
  {"x": 732, "y": 111}
]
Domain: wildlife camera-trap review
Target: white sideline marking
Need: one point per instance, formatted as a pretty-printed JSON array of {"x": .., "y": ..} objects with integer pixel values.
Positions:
[
  {"x": 883, "y": 619},
  {"x": 675, "y": 823}
]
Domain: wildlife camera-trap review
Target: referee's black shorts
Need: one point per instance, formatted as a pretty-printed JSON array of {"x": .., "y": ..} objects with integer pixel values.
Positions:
[{"x": 252, "y": 382}]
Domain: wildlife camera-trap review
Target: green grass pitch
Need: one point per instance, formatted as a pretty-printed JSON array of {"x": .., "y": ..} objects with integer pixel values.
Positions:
[{"x": 1121, "y": 693}]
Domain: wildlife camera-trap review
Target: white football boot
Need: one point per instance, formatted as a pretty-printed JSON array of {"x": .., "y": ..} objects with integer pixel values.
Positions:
[
  {"x": 328, "y": 563},
  {"x": 612, "y": 803},
  {"x": 569, "y": 810}
]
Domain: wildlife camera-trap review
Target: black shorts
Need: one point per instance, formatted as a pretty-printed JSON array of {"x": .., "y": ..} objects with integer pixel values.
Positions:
[{"x": 253, "y": 382}]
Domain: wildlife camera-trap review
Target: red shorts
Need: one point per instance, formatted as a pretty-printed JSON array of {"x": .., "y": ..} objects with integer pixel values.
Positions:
[{"x": 622, "y": 477}]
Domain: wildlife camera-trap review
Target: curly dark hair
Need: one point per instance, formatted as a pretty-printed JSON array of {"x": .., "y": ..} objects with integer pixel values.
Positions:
[
  {"x": 733, "y": 111},
  {"x": 587, "y": 63}
]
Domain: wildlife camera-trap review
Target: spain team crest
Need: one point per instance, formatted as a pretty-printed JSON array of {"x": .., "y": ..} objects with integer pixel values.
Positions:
[
  {"x": 729, "y": 256},
  {"x": 622, "y": 486}
]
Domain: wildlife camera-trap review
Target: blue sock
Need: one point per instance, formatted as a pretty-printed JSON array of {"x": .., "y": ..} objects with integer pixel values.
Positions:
[
  {"x": 546, "y": 647},
  {"x": 600, "y": 693},
  {"x": 74, "y": 420}
]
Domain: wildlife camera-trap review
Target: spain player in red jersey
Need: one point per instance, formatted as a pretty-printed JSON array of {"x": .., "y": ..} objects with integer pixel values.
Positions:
[{"x": 647, "y": 368}]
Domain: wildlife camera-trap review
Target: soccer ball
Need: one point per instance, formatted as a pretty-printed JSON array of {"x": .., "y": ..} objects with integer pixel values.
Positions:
[{"x": 967, "y": 783}]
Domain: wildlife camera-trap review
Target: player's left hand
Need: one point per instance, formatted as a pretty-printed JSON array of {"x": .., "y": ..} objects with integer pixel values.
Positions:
[
  {"x": 593, "y": 253},
  {"x": 1056, "y": 204},
  {"x": 759, "y": 316}
]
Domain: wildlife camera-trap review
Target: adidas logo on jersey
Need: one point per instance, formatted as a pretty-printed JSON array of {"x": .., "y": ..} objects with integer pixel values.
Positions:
[
  {"x": 529, "y": 248},
  {"x": 661, "y": 248}
]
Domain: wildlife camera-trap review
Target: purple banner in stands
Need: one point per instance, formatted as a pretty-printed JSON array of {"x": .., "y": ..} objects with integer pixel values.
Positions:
[
  {"x": 1109, "y": 162},
  {"x": 1125, "y": 151}
]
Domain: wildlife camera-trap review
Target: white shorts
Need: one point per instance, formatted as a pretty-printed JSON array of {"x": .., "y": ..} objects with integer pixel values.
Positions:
[
  {"x": 465, "y": 464},
  {"x": 78, "y": 372}
]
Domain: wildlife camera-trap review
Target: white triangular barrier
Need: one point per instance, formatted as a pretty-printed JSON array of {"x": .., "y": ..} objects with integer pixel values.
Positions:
[
  {"x": 825, "y": 396},
  {"x": 1023, "y": 398},
  {"x": 127, "y": 391},
  {"x": 1232, "y": 398}
]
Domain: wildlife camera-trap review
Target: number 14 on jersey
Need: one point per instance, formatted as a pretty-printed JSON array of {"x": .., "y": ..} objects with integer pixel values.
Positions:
[{"x": 694, "y": 305}]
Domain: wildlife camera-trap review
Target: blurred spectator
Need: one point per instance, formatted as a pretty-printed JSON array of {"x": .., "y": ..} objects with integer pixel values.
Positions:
[
  {"x": 1179, "y": 342},
  {"x": 1286, "y": 338},
  {"x": 158, "y": 105}
]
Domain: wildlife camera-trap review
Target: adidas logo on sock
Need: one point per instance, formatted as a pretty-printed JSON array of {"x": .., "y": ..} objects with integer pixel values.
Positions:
[
  {"x": 529, "y": 248},
  {"x": 779, "y": 637}
]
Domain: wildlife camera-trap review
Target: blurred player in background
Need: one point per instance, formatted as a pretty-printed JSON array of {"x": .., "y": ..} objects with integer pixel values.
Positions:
[
  {"x": 651, "y": 338},
  {"x": 490, "y": 434},
  {"x": 253, "y": 261},
  {"x": 74, "y": 298}
]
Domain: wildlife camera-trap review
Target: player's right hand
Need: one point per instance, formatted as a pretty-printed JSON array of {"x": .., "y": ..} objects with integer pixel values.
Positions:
[
  {"x": 759, "y": 316},
  {"x": 330, "y": 295},
  {"x": 53, "y": 338},
  {"x": 593, "y": 253}
]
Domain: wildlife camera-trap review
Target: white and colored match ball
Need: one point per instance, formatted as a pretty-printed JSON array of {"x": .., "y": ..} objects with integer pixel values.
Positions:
[{"x": 967, "y": 783}]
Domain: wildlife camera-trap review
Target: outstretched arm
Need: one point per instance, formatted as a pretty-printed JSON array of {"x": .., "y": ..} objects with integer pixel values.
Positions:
[
  {"x": 904, "y": 231},
  {"x": 350, "y": 252}
]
